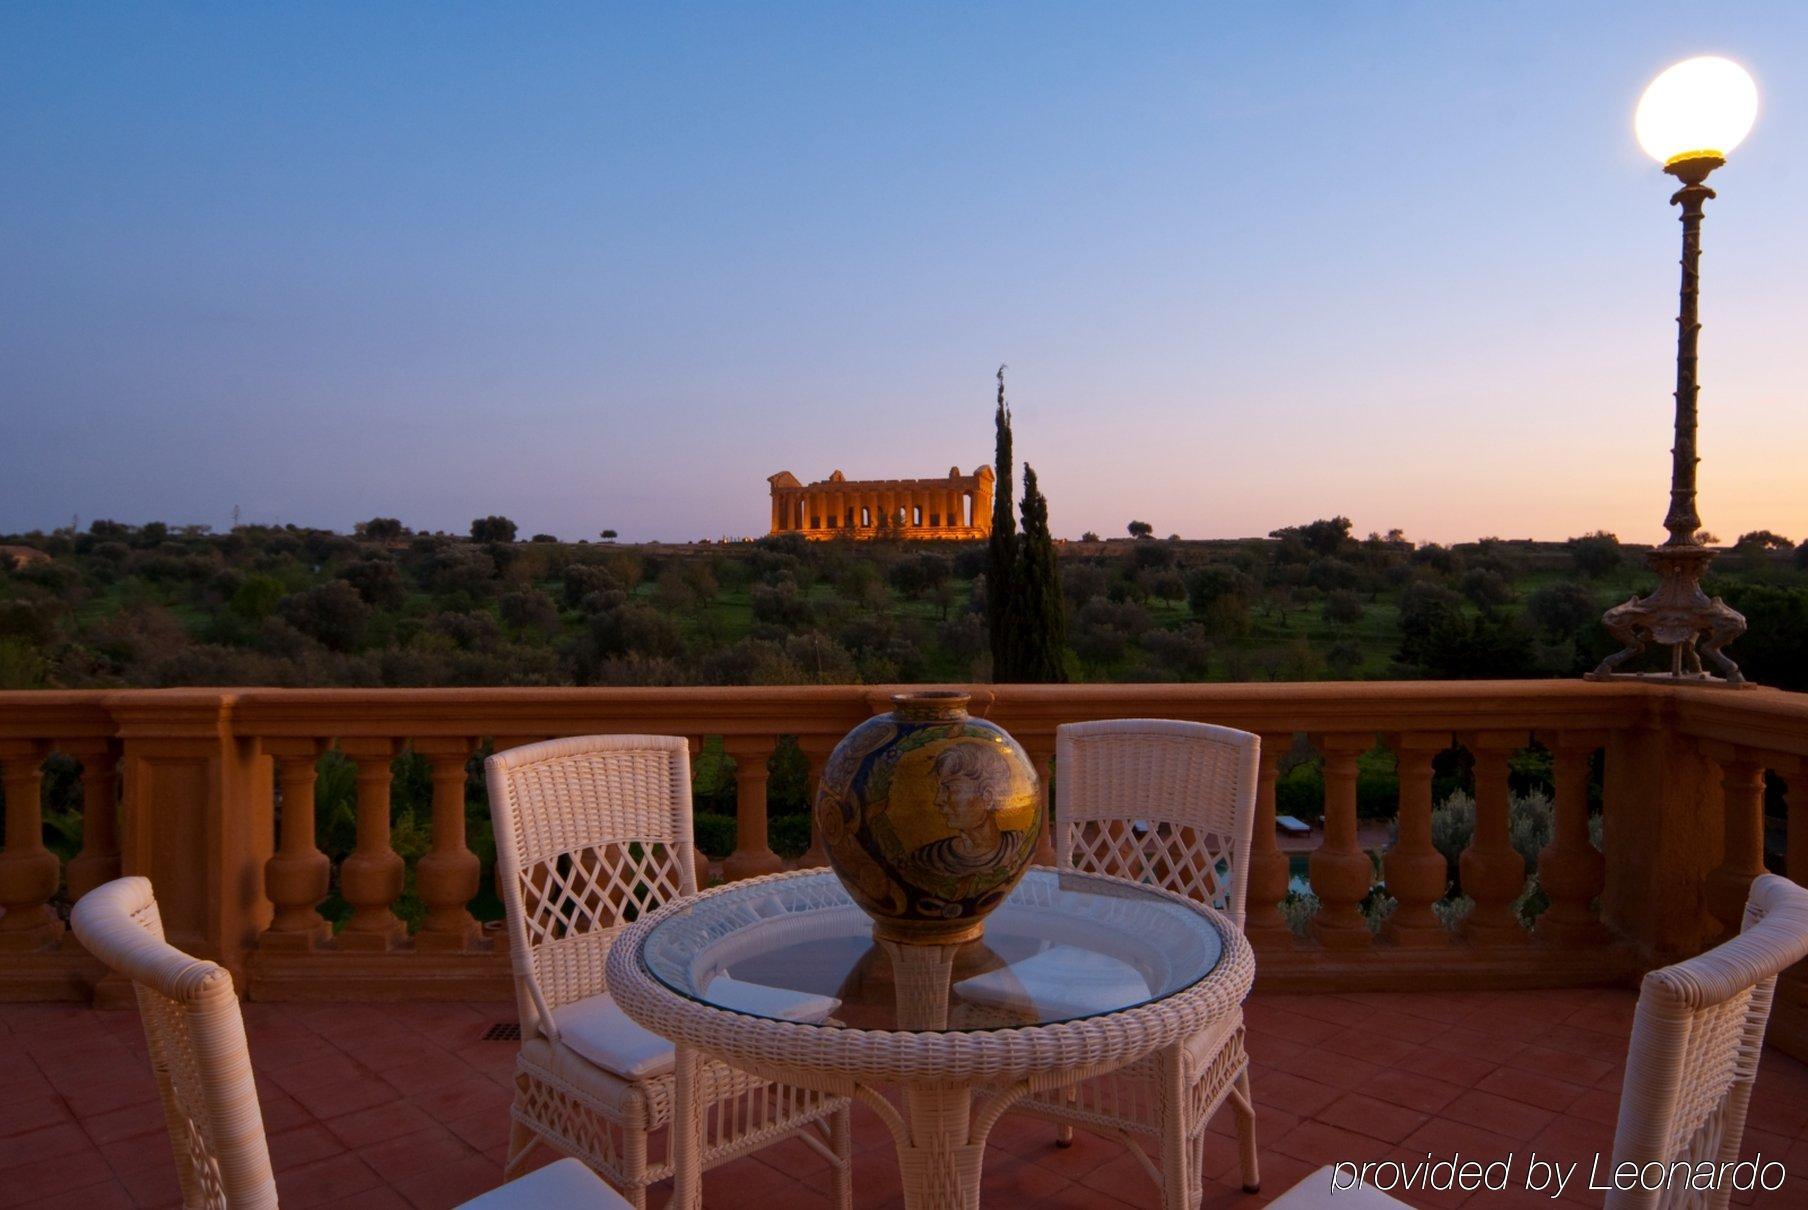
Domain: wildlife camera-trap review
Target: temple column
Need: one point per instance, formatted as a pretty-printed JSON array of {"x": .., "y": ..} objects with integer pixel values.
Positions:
[{"x": 775, "y": 510}]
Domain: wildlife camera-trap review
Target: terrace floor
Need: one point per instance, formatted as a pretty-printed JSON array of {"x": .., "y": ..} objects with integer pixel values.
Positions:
[{"x": 405, "y": 1105}]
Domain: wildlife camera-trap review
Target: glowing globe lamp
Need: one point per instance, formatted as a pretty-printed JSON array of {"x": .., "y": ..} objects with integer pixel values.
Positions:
[{"x": 1698, "y": 110}]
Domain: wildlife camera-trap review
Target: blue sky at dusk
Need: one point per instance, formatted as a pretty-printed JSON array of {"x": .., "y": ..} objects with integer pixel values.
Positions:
[{"x": 598, "y": 265}]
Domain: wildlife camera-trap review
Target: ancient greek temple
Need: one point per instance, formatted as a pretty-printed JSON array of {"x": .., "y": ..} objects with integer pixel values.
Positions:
[{"x": 959, "y": 506}]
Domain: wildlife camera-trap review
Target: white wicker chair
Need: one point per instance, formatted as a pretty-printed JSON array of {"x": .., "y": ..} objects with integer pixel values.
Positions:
[
  {"x": 590, "y": 833},
  {"x": 1168, "y": 803},
  {"x": 1691, "y": 1063},
  {"x": 197, "y": 1046},
  {"x": 203, "y": 1066}
]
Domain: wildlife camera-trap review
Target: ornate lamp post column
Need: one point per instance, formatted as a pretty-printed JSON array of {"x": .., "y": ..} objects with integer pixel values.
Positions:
[{"x": 1688, "y": 119}]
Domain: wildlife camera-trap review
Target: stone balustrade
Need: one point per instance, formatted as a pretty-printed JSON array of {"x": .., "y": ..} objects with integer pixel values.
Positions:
[{"x": 211, "y": 793}]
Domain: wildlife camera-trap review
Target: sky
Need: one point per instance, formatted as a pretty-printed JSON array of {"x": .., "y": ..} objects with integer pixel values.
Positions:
[{"x": 610, "y": 266}]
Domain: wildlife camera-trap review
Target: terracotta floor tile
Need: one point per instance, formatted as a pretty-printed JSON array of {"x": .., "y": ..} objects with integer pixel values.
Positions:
[
  {"x": 47, "y": 1143},
  {"x": 1324, "y": 1143},
  {"x": 1086, "y": 1154},
  {"x": 157, "y": 1185},
  {"x": 328, "y": 1182},
  {"x": 380, "y": 1123},
  {"x": 449, "y": 1184},
  {"x": 1359, "y": 1043},
  {"x": 741, "y": 1178},
  {"x": 1013, "y": 1180},
  {"x": 1500, "y": 1115},
  {"x": 333, "y": 1100},
  {"x": 411, "y": 1153},
  {"x": 55, "y": 1193},
  {"x": 44, "y": 1184},
  {"x": 1448, "y": 1066},
  {"x": 464, "y": 1098},
  {"x": 1411, "y": 1090},
  {"x": 1444, "y": 1139},
  {"x": 1296, "y": 1094},
  {"x": 482, "y": 1130},
  {"x": 1574, "y": 1140},
  {"x": 1371, "y": 1118},
  {"x": 1515, "y": 1083},
  {"x": 22, "y": 1113},
  {"x": 302, "y": 1145}
]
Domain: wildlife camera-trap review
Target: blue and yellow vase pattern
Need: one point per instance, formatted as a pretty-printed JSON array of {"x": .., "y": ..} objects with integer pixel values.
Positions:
[{"x": 929, "y": 817}]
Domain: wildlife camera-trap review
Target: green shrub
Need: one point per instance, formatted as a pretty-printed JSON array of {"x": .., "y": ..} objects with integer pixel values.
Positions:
[
  {"x": 789, "y": 835},
  {"x": 715, "y": 834}
]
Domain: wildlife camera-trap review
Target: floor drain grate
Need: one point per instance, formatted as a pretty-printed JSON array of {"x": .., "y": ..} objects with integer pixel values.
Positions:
[{"x": 503, "y": 1031}]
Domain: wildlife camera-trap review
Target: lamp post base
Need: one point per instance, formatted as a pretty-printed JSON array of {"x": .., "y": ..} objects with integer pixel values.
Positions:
[{"x": 1679, "y": 616}]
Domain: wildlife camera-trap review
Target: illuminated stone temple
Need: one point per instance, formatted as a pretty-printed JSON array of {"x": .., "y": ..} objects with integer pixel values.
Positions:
[{"x": 958, "y": 506}]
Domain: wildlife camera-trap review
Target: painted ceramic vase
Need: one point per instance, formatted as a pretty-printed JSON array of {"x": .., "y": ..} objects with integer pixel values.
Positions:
[{"x": 930, "y": 817}]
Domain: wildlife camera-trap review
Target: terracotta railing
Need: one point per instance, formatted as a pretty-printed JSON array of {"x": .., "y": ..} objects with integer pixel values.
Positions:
[{"x": 216, "y": 796}]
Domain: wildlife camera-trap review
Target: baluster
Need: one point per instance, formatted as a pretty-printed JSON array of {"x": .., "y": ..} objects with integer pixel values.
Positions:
[
  {"x": 1793, "y": 983},
  {"x": 1341, "y": 872},
  {"x": 816, "y": 751},
  {"x": 753, "y": 853},
  {"x": 1796, "y": 841},
  {"x": 1742, "y": 818},
  {"x": 1268, "y": 871},
  {"x": 298, "y": 875},
  {"x": 1041, "y": 751},
  {"x": 371, "y": 878},
  {"x": 1493, "y": 871},
  {"x": 98, "y": 860},
  {"x": 1571, "y": 870},
  {"x": 1417, "y": 874},
  {"x": 446, "y": 875},
  {"x": 28, "y": 871},
  {"x": 694, "y": 744}
]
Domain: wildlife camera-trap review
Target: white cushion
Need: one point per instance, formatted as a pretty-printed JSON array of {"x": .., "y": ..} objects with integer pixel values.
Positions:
[
  {"x": 1316, "y": 1191},
  {"x": 564, "y": 1182},
  {"x": 1063, "y": 981},
  {"x": 597, "y": 1029},
  {"x": 760, "y": 1000}
]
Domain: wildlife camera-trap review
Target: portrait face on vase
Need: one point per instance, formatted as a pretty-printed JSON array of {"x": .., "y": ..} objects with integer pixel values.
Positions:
[{"x": 972, "y": 785}]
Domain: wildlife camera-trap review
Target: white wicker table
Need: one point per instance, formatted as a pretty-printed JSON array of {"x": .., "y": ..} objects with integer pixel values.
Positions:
[{"x": 1077, "y": 975}]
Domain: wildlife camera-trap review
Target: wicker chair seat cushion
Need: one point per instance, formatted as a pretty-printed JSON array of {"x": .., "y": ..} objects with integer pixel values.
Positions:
[
  {"x": 1316, "y": 1191},
  {"x": 564, "y": 1182},
  {"x": 609, "y": 1091},
  {"x": 598, "y": 1030}
]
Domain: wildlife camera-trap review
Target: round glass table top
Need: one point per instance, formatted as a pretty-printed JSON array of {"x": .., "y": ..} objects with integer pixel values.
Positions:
[{"x": 1062, "y": 946}]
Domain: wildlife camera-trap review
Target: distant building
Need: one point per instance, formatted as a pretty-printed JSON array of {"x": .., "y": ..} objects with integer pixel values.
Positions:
[{"x": 959, "y": 506}]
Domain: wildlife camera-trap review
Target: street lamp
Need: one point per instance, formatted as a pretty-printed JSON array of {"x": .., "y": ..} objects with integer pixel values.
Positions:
[{"x": 1690, "y": 117}]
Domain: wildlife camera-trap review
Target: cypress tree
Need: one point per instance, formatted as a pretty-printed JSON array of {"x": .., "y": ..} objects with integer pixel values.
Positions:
[
  {"x": 1040, "y": 624},
  {"x": 1001, "y": 550}
]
